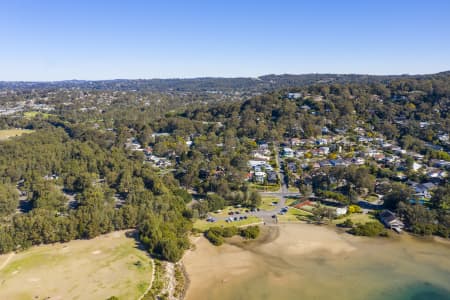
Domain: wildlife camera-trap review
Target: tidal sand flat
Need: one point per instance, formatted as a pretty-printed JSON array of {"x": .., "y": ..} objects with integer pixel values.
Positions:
[
  {"x": 301, "y": 261},
  {"x": 109, "y": 265}
]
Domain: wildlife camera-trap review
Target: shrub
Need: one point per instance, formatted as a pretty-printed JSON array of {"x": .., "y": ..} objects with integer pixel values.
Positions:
[
  {"x": 354, "y": 209},
  {"x": 369, "y": 229},
  {"x": 229, "y": 231},
  {"x": 251, "y": 232},
  {"x": 347, "y": 223},
  {"x": 214, "y": 238}
]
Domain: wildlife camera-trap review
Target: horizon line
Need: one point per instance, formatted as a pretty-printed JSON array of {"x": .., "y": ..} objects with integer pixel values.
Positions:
[{"x": 223, "y": 77}]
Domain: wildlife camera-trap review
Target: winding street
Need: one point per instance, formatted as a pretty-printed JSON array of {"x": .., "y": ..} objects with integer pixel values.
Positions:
[{"x": 281, "y": 194}]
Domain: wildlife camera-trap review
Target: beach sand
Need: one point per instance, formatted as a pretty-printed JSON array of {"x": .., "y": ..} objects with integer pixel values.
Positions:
[{"x": 312, "y": 262}]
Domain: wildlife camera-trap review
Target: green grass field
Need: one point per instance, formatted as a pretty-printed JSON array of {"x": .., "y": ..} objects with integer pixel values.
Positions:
[
  {"x": 203, "y": 225},
  {"x": 308, "y": 208},
  {"x": 291, "y": 201},
  {"x": 266, "y": 202},
  {"x": 8, "y": 133},
  {"x": 224, "y": 212},
  {"x": 264, "y": 188},
  {"x": 357, "y": 218},
  {"x": 33, "y": 114},
  {"x": 109, "y": 265},
  {"x": 294, "y": 215},
  {"x": 371, "y": 198}
]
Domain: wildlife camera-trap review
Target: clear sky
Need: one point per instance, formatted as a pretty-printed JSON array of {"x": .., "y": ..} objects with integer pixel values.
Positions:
[{"x": 96, "y": 39}]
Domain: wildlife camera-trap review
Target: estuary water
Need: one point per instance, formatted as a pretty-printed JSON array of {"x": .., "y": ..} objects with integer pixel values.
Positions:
[{"x": 301, "y": 261}]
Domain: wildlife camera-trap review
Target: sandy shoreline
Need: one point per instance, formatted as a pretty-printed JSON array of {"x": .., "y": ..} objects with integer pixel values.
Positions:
[
  {"x": 237, "y": 256},
  {"x": 288, "y": 247}
]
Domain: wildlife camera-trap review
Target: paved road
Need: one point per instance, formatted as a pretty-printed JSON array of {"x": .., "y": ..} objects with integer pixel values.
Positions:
[{"x": 281, "y": 194}]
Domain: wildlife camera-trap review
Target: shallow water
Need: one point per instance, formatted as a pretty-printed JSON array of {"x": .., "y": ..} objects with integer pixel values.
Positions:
[{"x": 309, "y": 262}]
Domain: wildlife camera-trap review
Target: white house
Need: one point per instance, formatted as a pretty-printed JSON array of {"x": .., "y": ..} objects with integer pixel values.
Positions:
[
  {"x": 288, "y": 152},
  {"x": 390, "y": 220},
  {"x": 340, "y": 211},
  {"x": 416, "y": 166},
  {"x": 260, "y": 176}
]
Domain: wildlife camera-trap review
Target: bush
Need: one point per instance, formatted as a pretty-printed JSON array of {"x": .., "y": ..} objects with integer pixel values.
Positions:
[
  {"x": 229, "y": 231},
  {"x": 369, "y": 229},
  {"x": 216, "y": 235},
  {"x": 214, "y": 238},
  {"x": 251, "y": 232},
  {"x": 347, "y": 223},
  {"x": 354, "y": 209}
]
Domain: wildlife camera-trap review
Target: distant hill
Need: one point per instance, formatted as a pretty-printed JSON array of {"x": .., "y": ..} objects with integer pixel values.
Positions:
[{"x": 204, "y": 84}]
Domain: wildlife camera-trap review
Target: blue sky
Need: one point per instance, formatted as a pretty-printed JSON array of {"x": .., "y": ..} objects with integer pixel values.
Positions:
[{"x": 96, "y": 39}]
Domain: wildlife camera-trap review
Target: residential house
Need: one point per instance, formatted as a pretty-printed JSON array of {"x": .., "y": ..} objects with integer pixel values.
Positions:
[
  {"x": 440, "y": 163},
  {"x": 436, "y": 173},
  {"x": 295, "y": 142},
  {"x": 321, "y": 142},
  {"x": 424, "y": 189},
  {"x": 358, "y": 161},
  {"x": 324, "y": 150},
  {"x": 292, "y": 166},
  {"x": 253, "y": 163},
  {"x": 260, "y": 156},
  {"x": 259, "y": 177},
  {"x": 300, "y": 153},
  {"x": 263, "y": 146},
  {"x": 443, "y": 137},
  {"x": 390, "y": 220},
  {"x": 272, "y": 177},
  {"x": 398, "y": 150},
  {"x": 288, "y": 152},
  {"x": 337, "y": 162},
  {"x": 416, "y": 166},
  {"x": 324, "y": 163},
  {"x": 340, "y": 211},
  {"x": 294, "y": 95}
]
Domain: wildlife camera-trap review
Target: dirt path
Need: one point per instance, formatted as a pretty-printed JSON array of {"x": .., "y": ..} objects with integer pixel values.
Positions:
[
  {"x": 151, "y": 281},
  {"x": 171, "y": 281},
  {"x": 7, "y": 260}
]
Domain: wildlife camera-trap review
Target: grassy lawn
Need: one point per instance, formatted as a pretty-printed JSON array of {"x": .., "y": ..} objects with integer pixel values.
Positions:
[
  {"x": 308, "y": 208},
  {"x": 291, "y": 201},
  {"x": 34, "y": 114},
  {"x": 294, "y": 215},
  {"x": 371, "y": 198},
  {"x": 109, "y": 265},
  {"x": 224, "y": 212},
  {"x": 8, "y": 133},
  {"x": 357, "y": 218},
  {"x": 266, "y": 203},
  {"x": 293, "y": 189},
  {"x": 202, "y": 225},
  {"x": 264, "y": 188}
]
